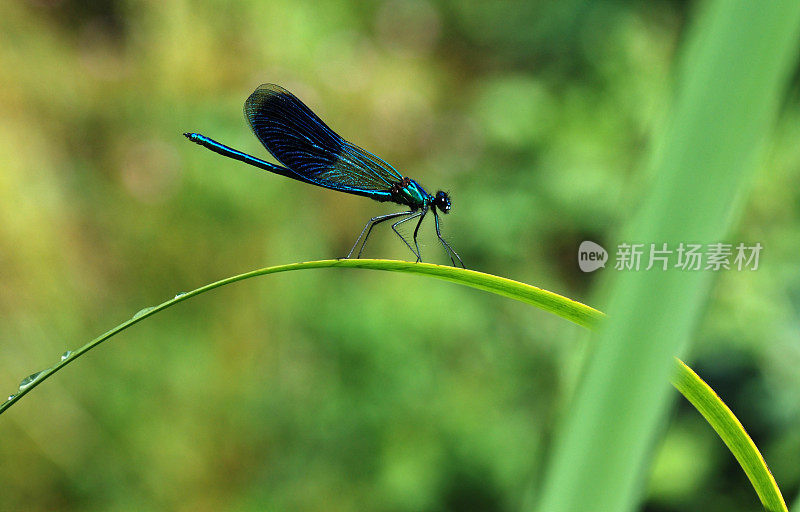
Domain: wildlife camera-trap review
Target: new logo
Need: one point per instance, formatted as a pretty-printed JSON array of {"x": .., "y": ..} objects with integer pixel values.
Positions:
[{"x": 591, "y": 256}]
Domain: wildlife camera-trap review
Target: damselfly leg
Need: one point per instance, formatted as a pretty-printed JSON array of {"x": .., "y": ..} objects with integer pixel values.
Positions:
[
  {"x": 421, "y": 215},
  {"x": 450, "y": 251},
  {"x": 371, "y": 223}
]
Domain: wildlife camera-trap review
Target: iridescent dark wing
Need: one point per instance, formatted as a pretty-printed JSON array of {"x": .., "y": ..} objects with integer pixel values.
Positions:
[{"x": 308, "y": 147}]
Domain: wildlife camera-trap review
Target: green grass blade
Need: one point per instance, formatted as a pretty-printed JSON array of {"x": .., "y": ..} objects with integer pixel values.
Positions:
[
  {"x": 573, "y": 311},
  {"x": 687, "y": 382},
  {"x": 732, "y": 78},
  {"x": 732, "y": 433}
]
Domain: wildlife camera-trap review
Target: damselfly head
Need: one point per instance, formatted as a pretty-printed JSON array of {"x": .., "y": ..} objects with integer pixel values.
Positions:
[{"x": 442, "y": 201}]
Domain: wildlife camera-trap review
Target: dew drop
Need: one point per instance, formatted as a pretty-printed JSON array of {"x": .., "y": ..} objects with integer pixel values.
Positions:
[
  {"x": 66, "y": 355},
  {"x": 143, "y": 311},
  {"x": 181, "y": 294},
  {"x": 30, "y": 379},
  {"x": 11, "y": 397}
]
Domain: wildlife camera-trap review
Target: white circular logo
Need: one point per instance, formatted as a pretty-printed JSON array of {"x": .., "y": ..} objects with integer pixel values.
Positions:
[{"x": 591, "y": 256}]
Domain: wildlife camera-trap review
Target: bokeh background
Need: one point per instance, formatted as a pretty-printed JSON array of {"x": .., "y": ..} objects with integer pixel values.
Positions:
[{"x": 334, "y": 389}]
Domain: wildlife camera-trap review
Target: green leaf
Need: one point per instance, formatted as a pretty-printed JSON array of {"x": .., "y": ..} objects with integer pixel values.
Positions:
[
  {"x": 573, "y": 311},
  {"x": 732, "y": 433},
  {"x": 732, "y": 77},
  {"x": 687, "y": 382}
]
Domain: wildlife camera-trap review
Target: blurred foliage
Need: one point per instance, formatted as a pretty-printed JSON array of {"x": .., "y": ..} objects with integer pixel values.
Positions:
[{"x": 347, "y": 390}]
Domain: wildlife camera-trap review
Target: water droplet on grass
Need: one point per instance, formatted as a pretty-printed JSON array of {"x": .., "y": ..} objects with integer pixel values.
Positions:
[
  {"x": 29, "y": 380},
  {"x": 143, "y": 311},
  {"x": 66, "y": 355}
]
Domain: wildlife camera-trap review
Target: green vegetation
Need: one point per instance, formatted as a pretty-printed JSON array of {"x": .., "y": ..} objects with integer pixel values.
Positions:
[
  {"x": 353, "y": 390},
  {"x": 684, "y": 379}
]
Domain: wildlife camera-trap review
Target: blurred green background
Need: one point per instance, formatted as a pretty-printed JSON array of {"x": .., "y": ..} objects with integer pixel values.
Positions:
[{"x": 349, "y": 390}]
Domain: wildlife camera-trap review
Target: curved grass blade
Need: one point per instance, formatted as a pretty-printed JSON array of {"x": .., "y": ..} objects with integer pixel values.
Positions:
[
  {"x": 573, "y": 311},
  {"x": 732, "y": 433},
  {"x": 685, "y": 380}
]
